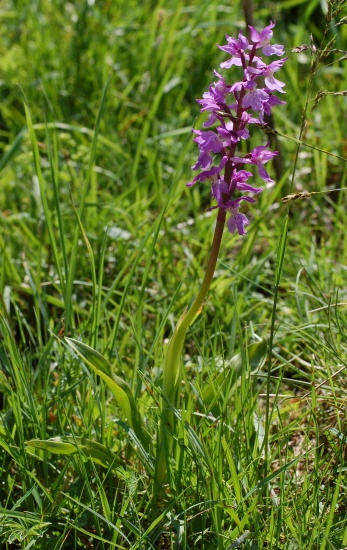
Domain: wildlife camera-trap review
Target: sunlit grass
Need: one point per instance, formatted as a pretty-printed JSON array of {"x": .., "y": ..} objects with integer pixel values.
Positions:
[{"x": 101, "y": 242}]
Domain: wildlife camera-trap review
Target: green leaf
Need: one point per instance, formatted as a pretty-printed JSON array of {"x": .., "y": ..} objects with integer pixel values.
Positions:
[
  {"x": 69, "y": 445},
  {"x": 120, "y": 389},
  {"x": 221, "y": 382},
  {"x": 54, "y": 445},
  {"x": 98, "y": 453}
]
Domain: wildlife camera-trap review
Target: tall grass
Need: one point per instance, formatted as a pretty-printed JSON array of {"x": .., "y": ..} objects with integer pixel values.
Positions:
[{"x": 102, "y": 244}]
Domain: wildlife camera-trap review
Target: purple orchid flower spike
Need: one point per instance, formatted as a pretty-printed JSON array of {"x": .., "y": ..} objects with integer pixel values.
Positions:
[{"x": 232, "y": 110}]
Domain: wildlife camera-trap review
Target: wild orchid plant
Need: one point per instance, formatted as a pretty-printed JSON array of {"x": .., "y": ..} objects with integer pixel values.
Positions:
[{"x": 233, "y": 109}]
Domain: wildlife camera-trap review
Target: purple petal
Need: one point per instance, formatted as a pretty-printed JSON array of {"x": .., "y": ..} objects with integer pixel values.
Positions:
[{"x": 237, "y": 222}]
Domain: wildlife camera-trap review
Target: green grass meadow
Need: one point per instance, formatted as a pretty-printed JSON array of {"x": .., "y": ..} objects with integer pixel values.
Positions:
[{"x": 103, "y": 247}]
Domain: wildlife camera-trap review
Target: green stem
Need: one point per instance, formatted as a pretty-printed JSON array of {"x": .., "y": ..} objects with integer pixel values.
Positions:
[
  {"x": 175, "y": 346},
  {"x": 171, "y": 370}
]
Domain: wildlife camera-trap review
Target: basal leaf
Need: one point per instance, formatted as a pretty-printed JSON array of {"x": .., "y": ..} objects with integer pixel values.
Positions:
[
  {"x": 55, "y": 445},
  {"x": 68, "y": 445},
  {"x": 120, "y": 389}
]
